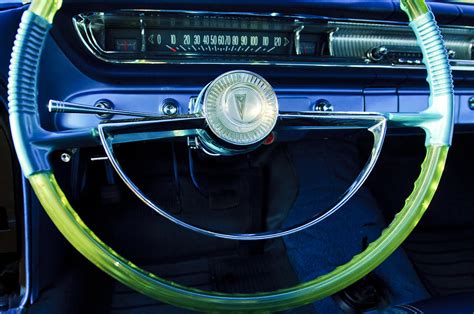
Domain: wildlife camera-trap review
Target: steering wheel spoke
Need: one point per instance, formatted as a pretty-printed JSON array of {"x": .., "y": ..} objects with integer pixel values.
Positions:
[
  {"x": 120, "y": 131},
  {"x": 65, "y": 139},
  {"x": 417, "y": 119},
  {"x": 147, "y": 129},
  {"x": 329, "y": 120}
]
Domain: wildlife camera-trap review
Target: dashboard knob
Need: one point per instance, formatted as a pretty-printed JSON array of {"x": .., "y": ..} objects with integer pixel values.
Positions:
[
  {"x": 471, "y": 103},
  {"x": 170, "y": 107},
  {"x": 377, "y": 53},
  {"x": 104, "y": 104},
  {"x": 323, "y": 105}
]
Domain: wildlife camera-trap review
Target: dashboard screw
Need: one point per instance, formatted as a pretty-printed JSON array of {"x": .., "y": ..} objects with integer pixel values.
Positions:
[
  {"x": 65, "y": 157},
  {"x": 104, "y": 104},
  {"x": 192, "y": 143},
  {"x": 470, "y": 103},
  {"x": 170, "y": 107},
  {"x": 451, "y": 54},
  {"x": 323, "y": 105}
]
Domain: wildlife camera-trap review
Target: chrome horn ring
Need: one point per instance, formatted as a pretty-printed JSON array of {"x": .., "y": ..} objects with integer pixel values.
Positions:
[{"x": 233, "y": 115}]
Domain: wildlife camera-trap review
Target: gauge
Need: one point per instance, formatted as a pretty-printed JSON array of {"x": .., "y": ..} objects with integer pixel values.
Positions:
[
  {"x": 175, "y": 36},
  {"x": 123, "y": 40},
  {"x": 183, "y": 37},
  {"x": 217, "y": 42},
  {"x": 126, "y": 44}
]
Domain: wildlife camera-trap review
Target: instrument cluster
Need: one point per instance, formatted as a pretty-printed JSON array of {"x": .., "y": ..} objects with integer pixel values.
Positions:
[{"x": 148, "y": 36}]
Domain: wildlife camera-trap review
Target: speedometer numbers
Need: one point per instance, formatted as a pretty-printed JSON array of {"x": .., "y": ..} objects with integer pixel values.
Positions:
[
  {"x": 149, "y": 36},
  {"x": 216, "y": 42}
]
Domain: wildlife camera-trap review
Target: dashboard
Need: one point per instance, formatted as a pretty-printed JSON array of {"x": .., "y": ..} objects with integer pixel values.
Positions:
[
  {"x": 143, "y": 55},
  {"x": 137, "y": 57},
  {"x": 160, "y": 36}
]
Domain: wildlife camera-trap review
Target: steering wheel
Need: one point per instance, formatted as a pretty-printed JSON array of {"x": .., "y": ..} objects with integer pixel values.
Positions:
[{"x": 221, "y": 130}]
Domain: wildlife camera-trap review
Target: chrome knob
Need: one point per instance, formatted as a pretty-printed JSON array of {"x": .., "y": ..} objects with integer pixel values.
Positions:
[
  {"x": 377, "y": 53},
  {"x": 104, "y": 104},
  {"x": 323, "y": 105},
  {"x": 170, "y": 107},
  {"x": 471, "y": 103}
]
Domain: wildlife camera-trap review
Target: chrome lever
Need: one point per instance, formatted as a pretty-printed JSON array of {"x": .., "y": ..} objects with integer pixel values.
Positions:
[{"x": 69, "y": 107}]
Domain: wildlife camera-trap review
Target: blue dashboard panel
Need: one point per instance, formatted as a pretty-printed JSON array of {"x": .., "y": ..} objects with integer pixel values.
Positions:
[
  {"x": 380, "y": 9},
  {"x": 150, "y": 100},
  {"x": 465, "y": 115},
  {"x": 9, "y": 4},
  {"x": 63, "y": 79},
  {"x": 143, "y": 101},
  {"x": 412, "y": 100},
  {"x": 381, "y": 100},
  {"x": 372, "y": 100}
]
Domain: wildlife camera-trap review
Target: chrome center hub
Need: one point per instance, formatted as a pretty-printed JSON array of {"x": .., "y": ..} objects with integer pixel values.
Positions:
[{"x": 240, "y": 107}]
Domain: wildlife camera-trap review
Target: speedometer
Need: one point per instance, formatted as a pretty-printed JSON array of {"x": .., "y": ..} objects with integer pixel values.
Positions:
[
  {"x": 189, "y": 41},
  {"x": 153, "y": 35},
  {"x": 166, "y": 34},
  {"x": 169, "y": 36}
]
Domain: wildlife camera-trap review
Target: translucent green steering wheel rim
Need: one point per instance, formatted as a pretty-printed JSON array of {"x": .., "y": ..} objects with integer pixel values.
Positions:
[{"x": 23, "y": 110}]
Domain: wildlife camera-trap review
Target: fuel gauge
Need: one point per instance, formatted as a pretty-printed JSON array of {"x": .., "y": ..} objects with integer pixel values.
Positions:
[
  {"x": 123, "y": 40},
  {"x": 127, "y": 44}
]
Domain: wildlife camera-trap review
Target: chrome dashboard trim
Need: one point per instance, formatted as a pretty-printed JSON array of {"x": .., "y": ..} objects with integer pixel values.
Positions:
[
  {"x": 350, "y": 39},
  {"x": 456, "y": 65}
]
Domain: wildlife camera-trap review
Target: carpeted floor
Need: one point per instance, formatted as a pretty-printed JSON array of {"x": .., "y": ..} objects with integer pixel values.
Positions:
[
  {"x": 230, "y": 274},
  {"x": 325, "y": 169},
  {"x": 445, "y": 261}
]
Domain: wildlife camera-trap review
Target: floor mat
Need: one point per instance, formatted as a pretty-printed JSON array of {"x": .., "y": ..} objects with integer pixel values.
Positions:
[
  {"x": 253, "y": 274},
  {"x": 194, "y": 274},
  {"x": 230, "y": 274},
  {"x": 325, "y": 169},
  {"x": 442, "y": 245},
  {"x": 444, "y": 259}
]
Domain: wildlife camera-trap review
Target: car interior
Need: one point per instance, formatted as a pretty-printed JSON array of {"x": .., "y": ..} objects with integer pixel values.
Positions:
[{"x": 185, "y": 156}]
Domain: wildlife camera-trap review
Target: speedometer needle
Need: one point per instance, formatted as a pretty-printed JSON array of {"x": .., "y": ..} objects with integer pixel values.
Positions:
[{"x": 171, "y": 48}]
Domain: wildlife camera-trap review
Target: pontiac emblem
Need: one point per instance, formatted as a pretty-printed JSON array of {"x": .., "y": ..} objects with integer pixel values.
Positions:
[
  {"x": 241, "y": 104},
  {"x": 240, "y": 107}
]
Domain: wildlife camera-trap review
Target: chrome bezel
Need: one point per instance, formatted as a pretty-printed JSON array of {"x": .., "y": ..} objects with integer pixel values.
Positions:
[
  {"x": 245, "y": 133},
  {"x": 84, "y": 33}
]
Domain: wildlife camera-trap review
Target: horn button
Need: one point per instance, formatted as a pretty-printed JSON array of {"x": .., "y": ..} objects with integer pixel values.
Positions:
[{"x": 240, "y": 108}]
